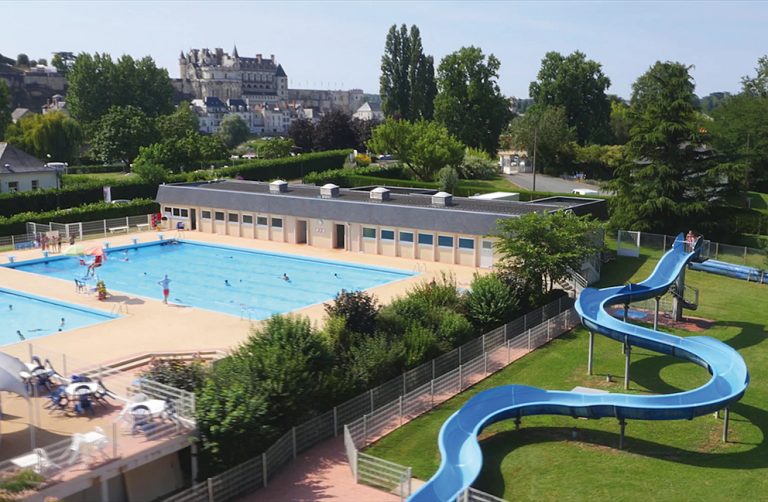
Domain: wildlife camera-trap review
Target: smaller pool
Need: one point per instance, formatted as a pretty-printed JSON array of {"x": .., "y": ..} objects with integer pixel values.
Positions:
[{"x": 34, "y": 316}]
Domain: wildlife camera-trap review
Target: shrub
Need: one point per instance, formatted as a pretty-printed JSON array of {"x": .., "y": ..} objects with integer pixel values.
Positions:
[
  {"x": 149, "y": 173},
  {"x": 448, "y": 179},
  {"x": 358, "y": 309},
  {"x": 490, "y": 303},
  {"x": 184, "y": 375},
  {"x": 23, "y": 480},
  {"x": 453, "y": 329},
  {"x": 476, "y": 166},
  {"x": 374, "y": 360},
  {"x": 420, "y": 343},
  {"x": 362, "y": 160},
  {"x": 439, "y": 293}
]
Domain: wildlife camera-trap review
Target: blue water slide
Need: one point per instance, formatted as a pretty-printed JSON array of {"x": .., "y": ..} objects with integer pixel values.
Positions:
[
  {"x": 461, "y": 455},
  {"x": 732, "y": 270}
]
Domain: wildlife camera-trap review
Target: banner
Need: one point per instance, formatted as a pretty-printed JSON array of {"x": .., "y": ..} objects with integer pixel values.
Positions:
[{"x": 107, "y": 194}]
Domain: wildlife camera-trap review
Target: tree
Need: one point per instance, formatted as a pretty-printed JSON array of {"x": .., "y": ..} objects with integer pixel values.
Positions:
[
  {"x": 490, "y": 302},
  {"x": 120, "y": 133},
  {"x": 97, "y": 83},
  {"x": 448, "y": 179},
  {"x": 757, "y": 85},
  {"x": 22, "y": 60},
  {"x": 577, "y": 85},
  {"x": 669, "y": 182},
  {"x": 334, "y": 131},
  {"x": 740, "y": 133},
  {"x": 179, "y": 123},
  {"x": 542, "y": 247},
  {"x": 63, "y": 62},
  {"x": 477, "y": 165},
  {"x": 148, "y": 165},
  {"x": 42, "y": 62},
  {"x": 407, "y": 82},
  {"x": 363, "y": 131},
  {"x": 424, "y": 147},
  {"x": 469, "y": 102},
  {"x": 53, "y": 136},
  {"x": 274, "y": 148},
  {"x": 302, "y": 132},
  {"x": 233, "y": 130},
  {"x": 543, "y": 129},
  {"x": 5, "y": 107},
  {"x": 620, "y": 121},
  {"x": 358, "y": 309}
]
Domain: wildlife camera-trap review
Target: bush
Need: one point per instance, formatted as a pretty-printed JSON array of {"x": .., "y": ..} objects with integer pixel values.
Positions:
[
  {"x": 362, "y": 160},
  {"x": 490, "y": 303},
  {"x": 358, "y": 309},
  {"x": 419, "y": 343},
  {"x": 149, "y": 173},
  {"x": 448, "y": 179},
  {"x": 110, "y": 168},
  {"x": 477, "y": 166},
  {"x": 287, "y": 168},
  {"x": 374, "y": 360},
  {"x": 23, "y": 480},
  {"x": 453, "y": 329},
  {"x": 342, "y": 176},
  {"x": 184, "y": 375}
]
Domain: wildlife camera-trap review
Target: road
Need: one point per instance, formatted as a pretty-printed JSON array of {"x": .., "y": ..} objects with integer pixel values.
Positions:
[{"x": 546, "y": 183}]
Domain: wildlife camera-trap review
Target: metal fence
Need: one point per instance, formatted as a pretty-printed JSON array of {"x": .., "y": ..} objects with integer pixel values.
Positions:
[
  {"x": 80, "y": 230},
  {"x": 405, "y": 397},
  {"x": 629, "y": 243}
]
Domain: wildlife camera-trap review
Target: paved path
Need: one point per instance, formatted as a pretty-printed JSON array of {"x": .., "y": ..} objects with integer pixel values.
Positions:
[{"x": 546, "y": 183}]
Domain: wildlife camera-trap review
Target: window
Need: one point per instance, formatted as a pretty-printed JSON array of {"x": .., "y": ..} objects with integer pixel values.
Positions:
[
  {"x": 387, "y": 235},
  {"x": 206, "y": 215},
  {"x": 369, "y": 233},
  {"x": 406, "y": 237},
  {"x": 466, "y": 243},
  {"x": 219, "y": 216},
  {"x": 426, "y": 239},
  {"x": 167, "y": 210},
  {"x": 13, "y": 186},
  {"x": 184, "y": 213},
  {"x": 277, "y": 223},
  {"x": 175, "y": 211},
  {"x": 261, "y": 221},
  {"x": 35, "y": 184},
  {"x": 247, "y": 219},
  {"x": 233, "y": 217},
  {"x": 445, "y": 241}
]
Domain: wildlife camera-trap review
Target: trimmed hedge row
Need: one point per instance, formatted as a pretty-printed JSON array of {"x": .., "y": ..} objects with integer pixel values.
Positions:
[
  {"x": 17, "y": 224},
  {"x": 343, "y": 176},
  {"x": 132, "y": 188},
  {"x": 111, "y": 168}
]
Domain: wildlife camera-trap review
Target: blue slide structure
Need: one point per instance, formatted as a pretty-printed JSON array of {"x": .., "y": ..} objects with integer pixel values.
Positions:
[
  {"x": 732, "y": 270},
  {"x": 461, "y": 455}
]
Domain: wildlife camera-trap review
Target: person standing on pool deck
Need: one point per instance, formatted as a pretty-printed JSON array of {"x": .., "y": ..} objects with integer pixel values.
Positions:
[{"x": 164, "y": 283}]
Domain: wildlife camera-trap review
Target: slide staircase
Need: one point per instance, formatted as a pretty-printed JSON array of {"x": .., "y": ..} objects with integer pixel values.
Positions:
[{"x": 461, "y": 454}]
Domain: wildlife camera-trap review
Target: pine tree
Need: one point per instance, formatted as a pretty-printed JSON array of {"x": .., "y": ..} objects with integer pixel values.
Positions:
[{"x": 408, "y": 87}]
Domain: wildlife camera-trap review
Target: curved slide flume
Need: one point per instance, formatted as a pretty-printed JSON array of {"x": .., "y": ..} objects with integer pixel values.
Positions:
[{"x": 460, "y": 450}]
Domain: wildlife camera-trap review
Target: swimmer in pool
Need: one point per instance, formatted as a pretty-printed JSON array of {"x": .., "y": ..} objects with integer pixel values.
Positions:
[
  {"x": 10, "y": 307},
  {"x": 336, "y": 275},
  {"x": 226, "y": 282},
  {"x": 21, "y": 337},
  {"x": 62, "y": 323},
  {"x": 286, "y": 278}
]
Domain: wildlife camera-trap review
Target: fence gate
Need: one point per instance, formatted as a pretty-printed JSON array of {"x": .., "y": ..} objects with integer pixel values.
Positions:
[{"x": 628, "y": 243}]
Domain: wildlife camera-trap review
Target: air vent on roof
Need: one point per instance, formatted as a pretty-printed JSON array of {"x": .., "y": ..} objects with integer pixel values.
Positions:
[
  {"x": 329, "y": 191},
  {"x": 442, "y": 199},
  {"x": 380, "y": 193},
  {"x": 278, "y": 186}
]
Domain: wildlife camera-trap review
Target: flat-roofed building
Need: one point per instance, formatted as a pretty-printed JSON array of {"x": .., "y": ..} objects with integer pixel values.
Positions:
[{"x": 422, "y": 226}]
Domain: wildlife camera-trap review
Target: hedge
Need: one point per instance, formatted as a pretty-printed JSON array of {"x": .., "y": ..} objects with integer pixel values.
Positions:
[
  {"x": 86, "y": 191},
  {"x": 17, "y": 224},
  {"x": 343, "y": 176},
  {"x": 110, "y": 168}
]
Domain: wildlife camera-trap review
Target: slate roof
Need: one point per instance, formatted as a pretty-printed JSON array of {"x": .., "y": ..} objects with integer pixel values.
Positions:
[
  {"x": 13, "y": 160},
  {"x": 280, "y": 72}
]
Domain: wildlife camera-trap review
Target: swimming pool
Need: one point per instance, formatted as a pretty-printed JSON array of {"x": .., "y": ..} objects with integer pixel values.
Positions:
[
  {"x": 34, "y": 316},
  {"x": 236, "y": 281}
]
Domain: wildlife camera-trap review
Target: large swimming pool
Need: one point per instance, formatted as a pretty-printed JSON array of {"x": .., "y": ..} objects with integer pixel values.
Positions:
[
  {"x": 33, "y": 316},
  {"x": 232, "y": 280}
]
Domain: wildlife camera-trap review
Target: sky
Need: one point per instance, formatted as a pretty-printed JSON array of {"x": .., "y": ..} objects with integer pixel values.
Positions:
[{"x": 338, "y": 45}]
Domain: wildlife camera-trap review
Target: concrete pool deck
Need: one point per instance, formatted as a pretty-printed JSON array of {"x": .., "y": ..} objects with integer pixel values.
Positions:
[{"x": 151, "y": 326}]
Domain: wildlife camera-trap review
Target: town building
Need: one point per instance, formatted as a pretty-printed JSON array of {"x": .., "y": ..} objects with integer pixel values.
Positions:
[
  {"x": 20, "y": 171},
  {"x": 410, "y": 223},
  {"x": 369, "y": 111}
]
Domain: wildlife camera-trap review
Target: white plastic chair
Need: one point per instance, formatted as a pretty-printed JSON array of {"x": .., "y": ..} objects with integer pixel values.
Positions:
[{"x": 44, "y": 463}]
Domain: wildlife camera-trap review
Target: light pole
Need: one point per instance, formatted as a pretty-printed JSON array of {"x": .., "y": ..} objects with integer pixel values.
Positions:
[{"x": 535, "y": 140}]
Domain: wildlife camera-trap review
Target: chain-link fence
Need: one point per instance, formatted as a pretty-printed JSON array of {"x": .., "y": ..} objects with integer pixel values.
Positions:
[{"x": 394, "y": 402}]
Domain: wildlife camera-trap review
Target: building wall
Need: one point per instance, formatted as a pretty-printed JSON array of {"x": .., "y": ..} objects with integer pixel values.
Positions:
[
  {"x": 404, "y": 242},
  {"x": 45, "y": 180}
]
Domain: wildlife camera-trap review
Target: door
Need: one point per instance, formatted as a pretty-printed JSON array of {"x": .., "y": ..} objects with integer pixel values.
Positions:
[
  {"x": 339, "y": 241},
  {"x": 301, "y": 231},
  {"x": 193, "y": 219},
  {"x": 486, "y": 254}
]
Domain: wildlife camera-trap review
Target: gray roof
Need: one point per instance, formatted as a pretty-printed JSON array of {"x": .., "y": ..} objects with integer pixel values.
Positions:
[
  {"x": 471, "y": 216},
  {"x": 13, "y": 160}
]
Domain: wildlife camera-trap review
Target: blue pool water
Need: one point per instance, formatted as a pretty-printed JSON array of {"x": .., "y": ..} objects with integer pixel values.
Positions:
[
  {"x": 36, "y": 317},
  {"x": 198, "y": 273}
]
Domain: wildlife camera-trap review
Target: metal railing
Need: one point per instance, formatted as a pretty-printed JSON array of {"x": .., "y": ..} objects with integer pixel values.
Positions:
[{"x": 415, "y": 391}]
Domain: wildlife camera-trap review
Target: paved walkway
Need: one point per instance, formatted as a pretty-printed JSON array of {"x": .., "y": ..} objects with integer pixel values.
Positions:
[{"x": 546, "y": 183}]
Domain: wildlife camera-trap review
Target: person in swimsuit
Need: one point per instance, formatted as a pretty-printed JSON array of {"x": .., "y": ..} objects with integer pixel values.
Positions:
[{"x": 166, "y": 290}]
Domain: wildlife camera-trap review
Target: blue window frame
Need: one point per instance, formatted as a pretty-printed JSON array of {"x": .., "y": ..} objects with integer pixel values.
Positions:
[
  {"x": 369, "y": 233},
  {"x": 406, "y": 237},
  {"x": 426, "y": 239},
  {"x": 445, "y": 241},
  {"x": 466, "y": 243},
  {"x": 387, "y": 235}
]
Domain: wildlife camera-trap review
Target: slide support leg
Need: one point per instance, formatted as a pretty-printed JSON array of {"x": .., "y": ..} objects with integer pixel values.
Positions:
[
  {"x": 626, "y": 311},
  {"x": 517, "y": 423},
  {"x": 656, "y": 315},
  {"x": 591, "y": 352},
  {"x": 622, "y": 426},
  {"x": 725, "y": 425},
  {"x": 627, "y": 353}
]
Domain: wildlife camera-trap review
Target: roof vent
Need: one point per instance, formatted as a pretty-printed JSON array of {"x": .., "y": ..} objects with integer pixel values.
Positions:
[
  {"x": 278, "y": 186},
  {"x": 442, "y": 199},
  {"x": 329, "y": 191},
  {"x": 380, "y": 193}
]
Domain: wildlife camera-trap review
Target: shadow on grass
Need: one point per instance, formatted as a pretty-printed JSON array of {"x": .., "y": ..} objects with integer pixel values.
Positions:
[
  {"x": 620, "y": 270},
  {"x": 496, "y": 447}
]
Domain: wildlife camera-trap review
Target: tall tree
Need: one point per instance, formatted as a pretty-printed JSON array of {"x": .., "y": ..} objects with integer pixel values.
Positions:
[
  {"x": 469, "y": 102},
  {"x": 578, "y": 85},
  {"x": 757, "y": 85},
  {"x": 53, "y": 136},
  {"x": 334, "y": 131},
  {"x": 22, "y": 60},
  {"x": 543, "y": 130},
  {"x": 63, "y": 62},
  {"x": 670, "y": 182},
  {"x": 407, "y": 83},
  {"x": 97, "y": 83},
  {"x": 179, "y": 123},
  {"x": 302, "y": 132},
  {"x": 5, "y": 107},
  {"x": 233, "y": 130},
  {"x": 120, "y": 133}
]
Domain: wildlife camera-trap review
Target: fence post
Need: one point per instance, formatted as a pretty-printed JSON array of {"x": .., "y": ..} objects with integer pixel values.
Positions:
[
  {"x": 335, "y": 423},
  {"x": 509, "y": 351},
  {"x": 549, "y": 334},
  {"x": 13, "y": 242},
  {"x": 264, "y": 468},
  {"x": 293, "y": 438},
  {"x": 127, "y": 224},
  {"x": 485, "y": 363},
  {"x": 506, "y": 331},
  {"x": 665, "y": 243},
  {"x": 745, "y": 255},
  {"x": 405, "y": 390},
  {"x": 114, "y": 439},
  {"x": 80, "y": 223},
  {"x": 432, "y": 392},
  {"x": 525, "y": 322},
  {"x": 400, "y": 408},
  {"x": 410, "y": 475},
  {"x": 461, "y": 379},
  {"x": 433, "y": 368},
  {"x": 529, "y": 339},
  {"x": 365, "y": 429},
  {"x": 460, "y": 356},
  {"x": 210, "y": 490},
  {"x": 105, "y": 227},
  {"x": 371, "y": 392}
]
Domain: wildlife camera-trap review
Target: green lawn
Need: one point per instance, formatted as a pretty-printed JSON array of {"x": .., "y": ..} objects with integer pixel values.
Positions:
[{"x": 675, "y": 460}]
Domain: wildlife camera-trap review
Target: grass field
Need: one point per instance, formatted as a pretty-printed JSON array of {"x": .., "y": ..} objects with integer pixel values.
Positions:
[{"x": 564, "y": 458}]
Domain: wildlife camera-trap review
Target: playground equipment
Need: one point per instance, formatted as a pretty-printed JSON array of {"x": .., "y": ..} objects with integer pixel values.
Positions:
[
  {"x": 732, "y": 270},
  {"x": 461, "y": 455}
]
